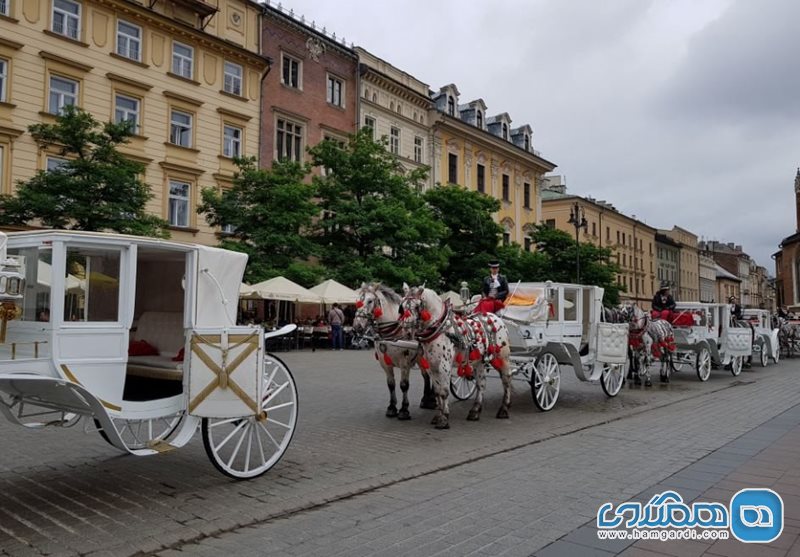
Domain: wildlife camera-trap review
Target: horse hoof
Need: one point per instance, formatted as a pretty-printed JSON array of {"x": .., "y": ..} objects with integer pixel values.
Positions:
[
  {"x": 637, "y": 381},
  {"x": 648, "y": 383},
  {"x": 473, "y": 416},
  {"x": 391, "y": 412},
  {"x": 404, "y": 415},
  {"x": 502, "y": 413},
  {"x": 444, "y": 424},
  {"x": 428, "y": 404},
  {"x": 436, "y": 420}
]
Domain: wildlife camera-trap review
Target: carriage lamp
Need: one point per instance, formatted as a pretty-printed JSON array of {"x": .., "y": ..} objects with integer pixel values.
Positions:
[
  {"x": 464, "y": 293},
  {"x": 12, "y": 283},
  {"x": 577, "y": 218}
]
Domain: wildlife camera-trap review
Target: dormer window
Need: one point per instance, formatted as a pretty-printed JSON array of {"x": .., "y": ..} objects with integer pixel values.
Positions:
[
  {"x": 451, "y": 106},
  {"x": 480, "y": 119},
  {"x": 505, "y": 131},
  {"x": 527, "y": 142}
]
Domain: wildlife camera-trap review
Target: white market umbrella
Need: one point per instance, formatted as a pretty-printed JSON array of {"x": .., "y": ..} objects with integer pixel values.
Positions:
[
  {"x": 282, "y": 289},
  {"x": 333, "y": 292}
]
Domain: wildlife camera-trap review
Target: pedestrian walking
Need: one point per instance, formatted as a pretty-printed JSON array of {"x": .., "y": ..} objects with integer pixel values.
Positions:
[{"x": 336, "y": 320}]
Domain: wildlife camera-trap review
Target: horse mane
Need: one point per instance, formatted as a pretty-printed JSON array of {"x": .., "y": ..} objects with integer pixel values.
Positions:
[{"x": 389, "y": 294}]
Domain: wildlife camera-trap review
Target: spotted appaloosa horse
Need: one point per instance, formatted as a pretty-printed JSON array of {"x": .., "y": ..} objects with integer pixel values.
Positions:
[
  {"x": 649, "y": 339},
  {"x": 468, "y": 344},
  {"x": 378, "y": 308}
]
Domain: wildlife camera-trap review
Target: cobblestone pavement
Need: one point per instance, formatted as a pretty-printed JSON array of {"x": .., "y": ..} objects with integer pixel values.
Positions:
[{"x": 354, "y": 482}]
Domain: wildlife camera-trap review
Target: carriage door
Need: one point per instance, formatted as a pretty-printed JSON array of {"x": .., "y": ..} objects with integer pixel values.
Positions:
[
  {"x": 572, "y": 308},
  {"x": 91, "y": 312}
]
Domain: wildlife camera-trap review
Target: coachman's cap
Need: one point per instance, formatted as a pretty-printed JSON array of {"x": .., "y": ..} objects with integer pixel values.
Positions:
[
  {"x": 494, "y": 263},
  {"x": 664, "y": 286}
]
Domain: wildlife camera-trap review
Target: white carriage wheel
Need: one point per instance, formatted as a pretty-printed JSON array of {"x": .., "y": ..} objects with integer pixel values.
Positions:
[
  {"x": 763, "y": 356},
  {"x": 612, "y": 378},
  {"x": 736, "y": 365},
  {"x": 245, "y": 448},
  {"x": 777, "y": 355},
  {"x": 462, "y": 387},
  {"x": 546, "y": 382},
  {"x": 703, "y": 364},
  {"x": 144, "y": 432}
]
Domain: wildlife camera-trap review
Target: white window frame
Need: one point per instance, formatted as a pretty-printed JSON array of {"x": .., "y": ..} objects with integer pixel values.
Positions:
[
  {"x": 334, "y": 97},
  {"x": 232, "y": 82},
  {"x": 419, "y": 148},
  {"x": 232, "y": 143},
  {"x": 125, "y": 41},
  {"x": 182, "y": 60},
  {"x": 3, "y": 79},
  {"x": 290, "y": 130},
  {"x": 284, "y": 58},
  {"x": 177, "y": 126},
  {"x": 64, "y": 17},
  {"x": 394, "y": 140},
  {"x": 369, "y": 122},
  {"x": 61, "y": 95},
  {"x": 124, "y": 113},
  {"x": 173, "y": 202}
]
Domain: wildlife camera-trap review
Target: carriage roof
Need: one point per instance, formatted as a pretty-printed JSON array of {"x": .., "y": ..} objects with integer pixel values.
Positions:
[{"x": 698, "y": 305}]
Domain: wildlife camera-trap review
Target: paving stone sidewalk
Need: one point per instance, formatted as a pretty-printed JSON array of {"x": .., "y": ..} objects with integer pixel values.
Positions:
[
  {"x": 765, "y": 457},
  {"x": 518, "y": 502}
]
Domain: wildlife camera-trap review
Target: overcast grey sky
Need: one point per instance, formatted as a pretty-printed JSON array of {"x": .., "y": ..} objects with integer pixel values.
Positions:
[{"x": 677, "y": 111}]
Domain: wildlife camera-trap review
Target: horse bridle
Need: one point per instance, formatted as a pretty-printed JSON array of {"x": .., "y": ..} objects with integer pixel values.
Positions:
[{"x": 385, "y": 331}]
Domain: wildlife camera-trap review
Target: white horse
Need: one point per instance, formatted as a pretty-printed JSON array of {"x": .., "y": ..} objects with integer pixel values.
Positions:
[
  {"x": 649, "y": 339},
  {"x": 378, "y": 308},
  {"x": 449, "y": 341}
]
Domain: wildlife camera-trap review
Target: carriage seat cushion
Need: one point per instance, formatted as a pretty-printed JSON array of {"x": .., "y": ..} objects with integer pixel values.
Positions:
[
  {"x": 163, "y": 330},
  {"x": 141, "y": 348}
]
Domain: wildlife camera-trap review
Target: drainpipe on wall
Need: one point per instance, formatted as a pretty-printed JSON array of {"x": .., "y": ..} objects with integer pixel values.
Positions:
[{"x": 261, "y": 87}]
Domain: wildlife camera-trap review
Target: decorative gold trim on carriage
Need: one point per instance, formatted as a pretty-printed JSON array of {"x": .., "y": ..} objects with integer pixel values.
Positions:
[
  {"x": 223, "y": 371},
  {"x": 74, "y": 379}
]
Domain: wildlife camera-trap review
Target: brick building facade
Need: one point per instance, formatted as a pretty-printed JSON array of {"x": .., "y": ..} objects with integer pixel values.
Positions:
[
  {"x": 311, "y": 92},
  {"x": 787, "y": 261}
]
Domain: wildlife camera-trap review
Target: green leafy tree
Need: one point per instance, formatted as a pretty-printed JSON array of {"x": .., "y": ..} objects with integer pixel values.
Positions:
[
  {"x": 376, "y": 225},
  {"x": 471, "y": 236},
  {"x": 97, "y": 188},
  {"x": 597, "y": 266},
  {"x": 270, "y": 212}
]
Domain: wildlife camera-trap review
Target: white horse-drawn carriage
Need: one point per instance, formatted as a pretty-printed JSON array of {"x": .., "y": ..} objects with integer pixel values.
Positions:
[
  {"x": 138, "y": 336},
  {"x": 552, "y": 325},
  {"x": 705, "y": 336},
  {"x": 766, "y": 344}
]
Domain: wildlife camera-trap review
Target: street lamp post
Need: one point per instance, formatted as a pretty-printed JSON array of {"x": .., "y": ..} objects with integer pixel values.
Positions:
[{"x": 577, "y": 218}]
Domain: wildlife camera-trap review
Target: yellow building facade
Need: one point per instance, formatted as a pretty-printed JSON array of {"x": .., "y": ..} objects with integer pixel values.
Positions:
[
  {"x": 632, "y": 242},
  {"x": 689, "y": 283},
  {"x": 485, "y": 154},
  {"x": 187, "y": 72}
]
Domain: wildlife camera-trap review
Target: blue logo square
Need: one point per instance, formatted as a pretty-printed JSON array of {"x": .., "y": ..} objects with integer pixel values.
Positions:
[{"x": 756, "y": 515}]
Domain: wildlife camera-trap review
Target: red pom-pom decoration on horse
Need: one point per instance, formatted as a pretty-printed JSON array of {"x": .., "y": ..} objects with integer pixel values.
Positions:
[
  {"x": 425, "y": 315},
  {"x": 360, "y": 304},
  {"x": 377, "y": 312}
]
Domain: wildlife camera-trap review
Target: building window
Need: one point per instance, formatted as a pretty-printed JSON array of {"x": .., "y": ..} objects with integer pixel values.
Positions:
[
  {"x": 594, "y": 229},
  {"x": 4, "y": 7},
  {"x": 3, "y": 80},
  {"x": 481, "y": 178},
  {"x": 618, "y": 236},
  {"x": 126, "y": 109},
  {"x": 506, "y": 188},
  {"x": 67, "y": 18},
  {"x": 291, "y": 72},
  {"x": 451, "y": 106},
  {"x": 608, "y": 235},
  {"x": 231, "y": 141},
  {"x": 232, "y": 83},
  {"x": 182, "y": 60},
  {"x": 526, "y": 195},
  {"x": 527, "y": 244},
  {"x": 289, "y": 140},
  {"x": 375, "y": 97},
  {"x": 129, "y": 40},
  {"x": 180, "y": 132},
  {"x": 480, "y": 119},
  {"x": 54, "y": 163},
  {"x": 179, "y": 203},
  {"x": 394, "y": 140},
  {"x": 369, "y": 123},
  {"x": 335, "y": 90},
  {"x": 452, "y": 168},
  {"x": 527, "y": 142},
  {"x": 506, "y": 238},
  {"x": 505, "y": 131},
  {"x": 418, "y": 149},
  {"x": 63, "y": 92},
  {"x": 550, "y": 223}
]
